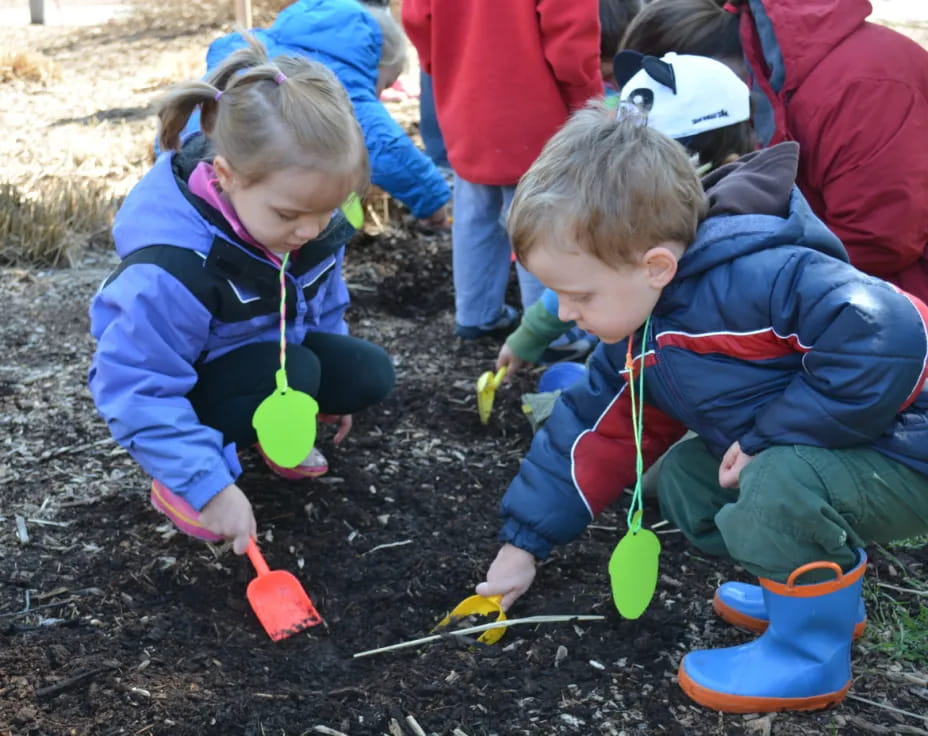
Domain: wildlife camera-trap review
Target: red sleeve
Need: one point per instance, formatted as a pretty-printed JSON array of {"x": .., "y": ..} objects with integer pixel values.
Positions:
[
  {"x": 604, "y": 458},
  {"x": 417, "y": 22},
  {"x": 867, "y": 152},
  {"x": 570, "y": 39}
]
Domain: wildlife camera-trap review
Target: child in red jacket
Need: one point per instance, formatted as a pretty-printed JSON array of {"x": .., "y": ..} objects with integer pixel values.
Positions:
[{"x": 505, "y": 76}]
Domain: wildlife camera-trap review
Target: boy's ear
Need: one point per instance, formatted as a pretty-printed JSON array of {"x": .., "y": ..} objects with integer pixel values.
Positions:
[
  {"x": 228, "y": 179},
  {"x": 661, "y": 264}
]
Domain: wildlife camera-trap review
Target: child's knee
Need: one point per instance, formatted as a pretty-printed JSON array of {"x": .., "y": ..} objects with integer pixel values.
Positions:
[{"x": 379, "y": 377}]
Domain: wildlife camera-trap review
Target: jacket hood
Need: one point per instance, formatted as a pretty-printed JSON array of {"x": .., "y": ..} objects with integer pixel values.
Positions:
[
  {"x": 754, "y": 205},
  {"x": 340, "y": 31},
  {"x": 795, "y": 35}
]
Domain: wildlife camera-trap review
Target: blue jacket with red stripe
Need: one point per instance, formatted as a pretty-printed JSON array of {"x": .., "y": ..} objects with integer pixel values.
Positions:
[{"x": 766, "y": 336}]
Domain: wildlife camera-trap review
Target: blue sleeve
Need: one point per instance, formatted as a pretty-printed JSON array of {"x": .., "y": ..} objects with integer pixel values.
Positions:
[
  {"x": 865, "y": 348},
  {"x": 335, "y": 300},
  {"x": 543, "y": 505},
  {"x": 141, "y": 374},
  {"x": 397, "y": 166}
]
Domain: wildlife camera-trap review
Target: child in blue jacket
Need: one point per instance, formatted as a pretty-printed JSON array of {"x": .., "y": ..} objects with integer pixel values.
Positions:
[
  {"x": 188, "y": 326},
  {"x": 698, "y": 83},
  {"x": 804, "y": 379},
  {"x": 366, "y": 49}
]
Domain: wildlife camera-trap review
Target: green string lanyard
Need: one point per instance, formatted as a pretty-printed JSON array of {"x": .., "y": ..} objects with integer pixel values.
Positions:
[
  {"x": 633, "y": 566},
  {"x": 636, "y": 509},
  {"x": 285, "y": 421}
]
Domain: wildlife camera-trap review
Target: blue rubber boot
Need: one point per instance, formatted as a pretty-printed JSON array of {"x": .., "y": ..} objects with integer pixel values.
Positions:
[
  {"x": 742, "y": 605},
  {"x": 801, "y": 662}
]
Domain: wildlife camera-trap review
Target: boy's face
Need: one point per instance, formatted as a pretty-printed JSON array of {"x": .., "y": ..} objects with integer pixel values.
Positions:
[{"x": 608, "y": 302}]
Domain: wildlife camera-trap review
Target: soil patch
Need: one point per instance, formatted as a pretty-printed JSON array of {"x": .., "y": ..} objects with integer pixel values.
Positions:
[{"x": 135, "y": 629}]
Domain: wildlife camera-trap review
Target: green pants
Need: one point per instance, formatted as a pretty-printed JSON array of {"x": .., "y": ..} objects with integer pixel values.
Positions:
[{"x": 796, "y": 504}]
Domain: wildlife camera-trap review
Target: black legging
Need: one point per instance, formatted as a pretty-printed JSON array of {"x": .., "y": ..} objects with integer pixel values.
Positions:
[{"x": 344, "y": 374}]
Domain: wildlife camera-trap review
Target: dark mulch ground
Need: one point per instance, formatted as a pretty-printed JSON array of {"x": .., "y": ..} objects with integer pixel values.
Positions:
[{"x": 133, "y": 629}]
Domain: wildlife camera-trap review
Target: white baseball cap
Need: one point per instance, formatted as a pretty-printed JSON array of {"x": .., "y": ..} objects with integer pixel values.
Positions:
[{"x": 683, "y": 95}]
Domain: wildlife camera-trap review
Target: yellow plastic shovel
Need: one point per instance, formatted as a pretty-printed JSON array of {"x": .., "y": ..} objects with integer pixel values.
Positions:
[
  {"x": 480, "y": 606},
  {"x": 486, "y": 392}
]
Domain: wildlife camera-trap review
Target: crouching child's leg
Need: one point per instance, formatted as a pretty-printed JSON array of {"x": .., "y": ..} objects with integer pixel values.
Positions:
[{"x": 798, "y": 523}]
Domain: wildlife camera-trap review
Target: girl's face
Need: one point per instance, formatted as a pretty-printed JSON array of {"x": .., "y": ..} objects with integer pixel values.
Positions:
[{"x": 286, "y": 208}]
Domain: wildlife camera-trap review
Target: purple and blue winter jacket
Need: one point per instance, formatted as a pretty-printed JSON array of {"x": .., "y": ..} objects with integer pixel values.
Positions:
[{"x": 189, "y": 290}]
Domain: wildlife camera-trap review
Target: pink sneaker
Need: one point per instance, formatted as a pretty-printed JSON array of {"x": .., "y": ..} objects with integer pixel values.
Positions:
[
  {"x": 313, "y": 466},
  {"x": 184, "y": 516}
]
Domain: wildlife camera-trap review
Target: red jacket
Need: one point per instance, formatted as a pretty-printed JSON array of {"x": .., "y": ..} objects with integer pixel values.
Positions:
[
  {"x": 506, "y": 74},
  {"x": 854, "y": 95}
]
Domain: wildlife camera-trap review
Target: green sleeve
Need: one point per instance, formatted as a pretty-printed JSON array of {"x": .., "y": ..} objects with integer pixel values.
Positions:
[{"x": 539, "y": 327}]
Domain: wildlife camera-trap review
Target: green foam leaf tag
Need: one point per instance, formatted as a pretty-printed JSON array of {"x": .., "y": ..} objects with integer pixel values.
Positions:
[
  {"x": 286, "y": 424},
  {"x": 633, "y": 571},
  {"x": 353, "y": 211}
]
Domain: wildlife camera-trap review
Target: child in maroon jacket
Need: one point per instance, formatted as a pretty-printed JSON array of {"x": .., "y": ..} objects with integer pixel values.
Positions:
[{"x": 506, "y": 76}]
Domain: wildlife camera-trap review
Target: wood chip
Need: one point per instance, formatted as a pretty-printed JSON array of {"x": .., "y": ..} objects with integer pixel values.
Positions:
[{"x": 21, "y": 532}]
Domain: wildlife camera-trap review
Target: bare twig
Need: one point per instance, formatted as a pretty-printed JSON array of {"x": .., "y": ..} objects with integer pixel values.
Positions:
[
  {"x": 888, "y": 707},
  {"x": 27, "y": 611},
  {"x": 49, "y": 522},
  {"x": 910, "y": 591},
  {"x": 70, "y": 683},
  {"x": 324, "y": 730},
  {"x": 389, "y": 545},
  {"x": 483, "y": 627}
]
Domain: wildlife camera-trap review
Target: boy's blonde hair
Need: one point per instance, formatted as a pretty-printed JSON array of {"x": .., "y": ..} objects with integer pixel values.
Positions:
[
  {"x": 393, "y": 48},
  {"x": 263, "y": 116},
  {"x": 609, "y": 185}
]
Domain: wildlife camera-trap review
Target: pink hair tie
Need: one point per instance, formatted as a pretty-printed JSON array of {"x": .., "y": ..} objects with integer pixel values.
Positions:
[
  {"x": 730, "y": 8},
  {"x": 217, "y": 96},
  {"x": 280, "y": 78}
]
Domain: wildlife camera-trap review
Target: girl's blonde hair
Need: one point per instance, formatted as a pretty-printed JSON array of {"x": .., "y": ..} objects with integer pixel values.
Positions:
[
  {"x": 263, "y": 115},
  {"x": 393, "y": 51},
  {"x": 611, "y": 186}
]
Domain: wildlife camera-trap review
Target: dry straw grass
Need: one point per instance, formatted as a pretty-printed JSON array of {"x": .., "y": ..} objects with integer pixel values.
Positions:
[
  {"x": 54, "y": 223},
  {"x": 53, "y": 207},
  {"x": 29, "y": 66}
]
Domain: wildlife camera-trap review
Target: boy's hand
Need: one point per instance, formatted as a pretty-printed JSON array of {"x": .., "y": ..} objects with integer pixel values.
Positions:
[
  {"x": 510, "y": 575},
  {"x": 731, "y": 466},
  {"x": 229, "y": 515},
  {"x": 508, "y": 358}
]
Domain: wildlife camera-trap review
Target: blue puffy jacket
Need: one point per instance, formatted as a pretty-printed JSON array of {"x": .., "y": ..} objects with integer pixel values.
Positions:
[
  {"x": 346, "y": 38},
  {"x": 187, "y": 291},
  {"x": 766, "y": 336}
]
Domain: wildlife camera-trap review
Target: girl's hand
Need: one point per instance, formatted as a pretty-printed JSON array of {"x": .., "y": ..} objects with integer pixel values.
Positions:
[
  {"x": 508, "y": 358},
  {"x": 510, "y": 575},
  {"x": 731, "y": 466},
  {"x": 229, "y": 515},
  {"x": 344, "y": 422}
]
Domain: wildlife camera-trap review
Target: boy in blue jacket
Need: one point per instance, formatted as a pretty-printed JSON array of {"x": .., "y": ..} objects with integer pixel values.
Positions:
[
  {"x": 803, "y": 377},
  {"x": 366, "y": 49}
]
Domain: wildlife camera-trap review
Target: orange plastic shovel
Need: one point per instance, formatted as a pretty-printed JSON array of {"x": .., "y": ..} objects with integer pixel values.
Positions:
[{"x": 278, "y": 599}]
